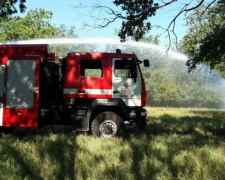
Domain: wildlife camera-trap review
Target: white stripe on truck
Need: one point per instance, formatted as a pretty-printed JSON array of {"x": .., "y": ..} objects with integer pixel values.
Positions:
[{"x": 88, "y": 91}]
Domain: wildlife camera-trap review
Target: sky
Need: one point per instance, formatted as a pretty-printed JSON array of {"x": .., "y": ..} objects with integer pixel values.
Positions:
[{"x": 64, "y": 13}]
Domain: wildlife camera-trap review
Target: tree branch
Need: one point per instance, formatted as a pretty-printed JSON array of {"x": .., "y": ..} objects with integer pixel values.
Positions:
[
  {"x": 165, "y": 4},
  {"x": 134, "y": 18},
  {"x": 208, "y": 6},
  {"x": 172, "y": 23}
]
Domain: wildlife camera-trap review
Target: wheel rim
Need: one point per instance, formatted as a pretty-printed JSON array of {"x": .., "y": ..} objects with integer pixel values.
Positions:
[{"x": 108, "y": 128}]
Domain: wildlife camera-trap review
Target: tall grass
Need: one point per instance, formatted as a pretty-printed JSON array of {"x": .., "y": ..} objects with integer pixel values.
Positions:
[
  {"x": 178, "y": 144},
  {"x": 187, "y": 120}
]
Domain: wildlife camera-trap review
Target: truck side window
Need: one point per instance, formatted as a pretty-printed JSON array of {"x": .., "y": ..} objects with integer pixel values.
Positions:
[
  {"x": 91, "y": 68},
  {"x": 125, "y": 68},
  {"x": 2, "y": 79}
]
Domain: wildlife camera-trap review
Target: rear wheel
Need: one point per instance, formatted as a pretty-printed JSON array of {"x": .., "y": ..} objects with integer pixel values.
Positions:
[{"x": 107, "y": 124}]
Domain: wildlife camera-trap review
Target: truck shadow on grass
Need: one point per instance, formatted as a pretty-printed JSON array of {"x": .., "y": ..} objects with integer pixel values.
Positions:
[{"x": 32, "y": 153}]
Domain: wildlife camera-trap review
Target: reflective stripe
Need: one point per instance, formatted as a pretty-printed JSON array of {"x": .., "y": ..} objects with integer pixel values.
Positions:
[{"x": 88, "y": 91}]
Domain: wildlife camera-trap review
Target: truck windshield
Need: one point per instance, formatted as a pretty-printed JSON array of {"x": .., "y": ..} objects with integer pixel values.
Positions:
[{"x": 125, "y": 68}]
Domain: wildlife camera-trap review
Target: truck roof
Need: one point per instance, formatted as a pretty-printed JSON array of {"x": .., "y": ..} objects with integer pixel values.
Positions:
[
  {"x": 96, "y": 55},
  {"x": 17, "y": 50},
  {"x": 34, "y": 47}
]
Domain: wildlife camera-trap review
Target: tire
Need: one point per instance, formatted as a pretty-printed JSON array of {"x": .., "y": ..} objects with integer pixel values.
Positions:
[{"x": 107, "y": 124}]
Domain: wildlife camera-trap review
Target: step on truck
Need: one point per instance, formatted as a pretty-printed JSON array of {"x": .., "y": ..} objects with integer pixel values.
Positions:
[{"x": 93, "y": 92}]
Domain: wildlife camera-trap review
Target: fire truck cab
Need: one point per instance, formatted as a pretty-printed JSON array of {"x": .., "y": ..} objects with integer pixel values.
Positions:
[{"x": 95, "y": 92}]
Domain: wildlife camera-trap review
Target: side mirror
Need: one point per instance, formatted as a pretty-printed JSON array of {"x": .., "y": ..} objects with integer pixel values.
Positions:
[{"x": 146, "y": 63}]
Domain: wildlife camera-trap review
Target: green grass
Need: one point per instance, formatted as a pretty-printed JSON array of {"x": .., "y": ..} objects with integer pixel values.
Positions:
[
  {"x": 187, "y": 121},
  {"x": 178, "y": 144}
]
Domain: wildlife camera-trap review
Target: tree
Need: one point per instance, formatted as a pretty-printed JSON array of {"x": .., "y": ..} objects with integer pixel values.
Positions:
[
  {"x": 205, "y": 39},
  {"x": 65, "y": 32},
  {"x": 36, "y": 24},
  {"x": 136, "y": 14},
  {"x": 8, "y": 7},
  {"x": 150, "y": 38}
]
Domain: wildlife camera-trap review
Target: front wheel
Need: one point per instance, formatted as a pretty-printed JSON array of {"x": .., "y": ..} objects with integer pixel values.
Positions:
[{"x": 107, "y": 124}]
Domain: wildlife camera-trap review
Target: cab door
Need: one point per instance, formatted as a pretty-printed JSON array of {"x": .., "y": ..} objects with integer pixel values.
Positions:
[{"x": 126, "y": 81}]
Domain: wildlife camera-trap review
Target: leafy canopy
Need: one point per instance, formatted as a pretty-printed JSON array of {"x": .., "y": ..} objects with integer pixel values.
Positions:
[
  {"x": 8, "y": 7},
  {"x": 36, "y": 24},
  {"x": 205, "y": 39},
  {"x": 137, "y": 12}
]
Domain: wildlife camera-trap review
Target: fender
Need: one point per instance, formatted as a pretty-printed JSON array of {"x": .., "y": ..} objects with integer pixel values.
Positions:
[{"x": 106, "y": 103}]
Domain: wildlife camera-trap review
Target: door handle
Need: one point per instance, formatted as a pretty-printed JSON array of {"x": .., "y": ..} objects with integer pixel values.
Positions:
[
  {"x": 81, "y": 90},
  {"x": 116, "y": 91}
]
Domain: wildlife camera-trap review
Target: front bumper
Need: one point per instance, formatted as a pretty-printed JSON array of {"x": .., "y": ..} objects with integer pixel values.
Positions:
[{"x": 139, "y": 115}]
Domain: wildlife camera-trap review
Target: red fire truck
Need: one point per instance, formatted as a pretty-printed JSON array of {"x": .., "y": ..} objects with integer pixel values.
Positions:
[{"x": 95, "y": 92}]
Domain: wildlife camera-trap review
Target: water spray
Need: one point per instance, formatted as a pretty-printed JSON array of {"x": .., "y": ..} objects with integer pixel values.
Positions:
[{"x": 104, "y": 41}]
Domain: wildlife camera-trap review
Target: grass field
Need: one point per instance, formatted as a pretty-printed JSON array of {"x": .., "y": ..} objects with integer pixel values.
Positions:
[{"x": 178, "y": 144}]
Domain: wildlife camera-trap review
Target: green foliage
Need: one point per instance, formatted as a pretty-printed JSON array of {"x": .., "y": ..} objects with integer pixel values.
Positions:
[
  {"x": 8, "y": 7},
  {"x": 221, "y": 69},
  {"x": 178, "y": 144},
  {"x": 65, "y": 32},
  {"x": 205, "y": 39},
  {"x": 150, "y": 38},
  {"x": 170, "y": 85},
  {"x": 36, "y": 24},
  {"x": 137, "y": 13}
]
